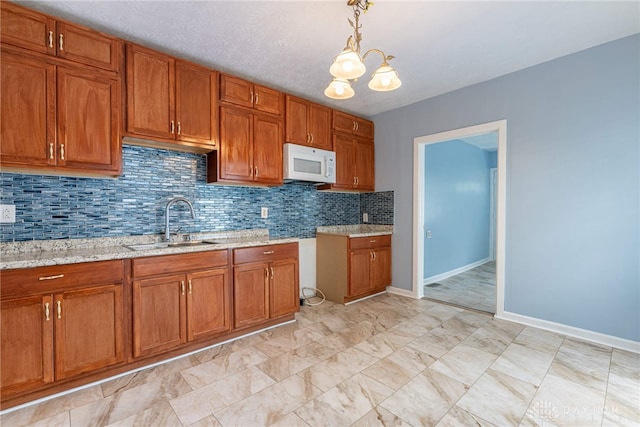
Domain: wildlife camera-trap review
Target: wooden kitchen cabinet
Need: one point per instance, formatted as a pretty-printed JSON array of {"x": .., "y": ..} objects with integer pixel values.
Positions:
[
  {"x": 266, "y": 283},
  {"x": 171, "y": 101},
  {"x": 60, "y": 322},
  {"x": 348, "y": 269},
  {"x": 346, "y": 123},
  {"x": 354, "y": 164},
  {"x": 38, "y": 32},
  {"x": 62, "y": 119},
  {"x": 250, "y": 149},
  {"x": 179, "y": 299},
  {"x": 237, "y": 91},
  {"x": 307, "y": 123}
]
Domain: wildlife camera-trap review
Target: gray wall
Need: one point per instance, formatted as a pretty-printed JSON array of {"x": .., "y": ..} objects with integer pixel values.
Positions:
[{"x": 573, "y": 199}]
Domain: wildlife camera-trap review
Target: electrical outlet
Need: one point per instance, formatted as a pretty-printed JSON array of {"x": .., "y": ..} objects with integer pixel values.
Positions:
[
  {"x": 365, "y": 217},
  {"x": 264, "y": 212},
  {"x": 7, "y": 214}
]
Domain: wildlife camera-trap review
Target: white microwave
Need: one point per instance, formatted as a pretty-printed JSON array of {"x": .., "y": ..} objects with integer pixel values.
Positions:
[{"x": 309, "y": 164}]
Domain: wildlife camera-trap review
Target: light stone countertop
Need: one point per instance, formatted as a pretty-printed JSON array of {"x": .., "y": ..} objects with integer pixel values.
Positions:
[
  {"x": 356, "y": 230},
  {"x": 40, "y": 253}
]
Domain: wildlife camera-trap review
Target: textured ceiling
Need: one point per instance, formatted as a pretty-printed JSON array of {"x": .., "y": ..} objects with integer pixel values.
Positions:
[{"x": 439, "y": 46}]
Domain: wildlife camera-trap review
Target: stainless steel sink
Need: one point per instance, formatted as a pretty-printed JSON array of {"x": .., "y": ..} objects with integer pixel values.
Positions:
[{"x": 162, "y": 245}]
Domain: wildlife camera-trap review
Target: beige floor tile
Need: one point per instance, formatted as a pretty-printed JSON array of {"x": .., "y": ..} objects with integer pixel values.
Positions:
[
  {"x": 345, "y": 403},
  {"x": 464, "y": 363},
  {"x": 293, "y": 339},
  {"x": 290, "y": 420},
  {"x": 437, "y": 342},
  {"x": 209, "y": 421},
  {"x": 337, "y": 368},
  {"x": 524, "y": 363},
  {"x": 161, "y": 415},
  {"x": 399, "y": 367},
  {"x": 458, "y": 417},
  {"x": 583, "y": 363},
  {"x": 380, "y": 417},
  {"x": 292, "y": 362},
  {"x": 539, "y": 339},
  {"x": 498, "y": 398}
]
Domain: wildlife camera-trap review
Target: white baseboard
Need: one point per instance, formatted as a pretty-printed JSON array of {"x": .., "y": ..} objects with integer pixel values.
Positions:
[
  {"x": 401, "y": 292},
  {"x": 596, "y": 337},
  {"x": 446, "y": 275}
]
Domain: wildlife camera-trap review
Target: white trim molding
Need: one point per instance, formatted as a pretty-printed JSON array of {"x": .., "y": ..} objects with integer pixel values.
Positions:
[
  {"x": 454, "y": 272},
  {"x": 584, "y": 334},
  {"x": 401, "y": 292}
]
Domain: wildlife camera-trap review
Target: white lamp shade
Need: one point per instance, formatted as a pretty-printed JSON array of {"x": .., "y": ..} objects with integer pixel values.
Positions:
[
  {"x": 347, "y": 65},
  {"x": 385, "y": 79},
  {"x": 339, "y": 89}
]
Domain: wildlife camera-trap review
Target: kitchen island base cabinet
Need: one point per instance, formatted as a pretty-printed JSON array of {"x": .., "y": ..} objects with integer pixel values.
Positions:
[{"x": 348, "y": 269}]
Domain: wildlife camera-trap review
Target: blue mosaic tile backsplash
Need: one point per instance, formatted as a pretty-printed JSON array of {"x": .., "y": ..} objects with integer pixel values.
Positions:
[{"x": 52, "y": 207}]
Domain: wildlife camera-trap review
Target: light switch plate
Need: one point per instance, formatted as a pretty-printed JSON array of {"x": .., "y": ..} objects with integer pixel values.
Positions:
[
  {"x": 7, "y": 214},
  {"x": 365, "y": 217},
  {"x": 264, "y": 212}
]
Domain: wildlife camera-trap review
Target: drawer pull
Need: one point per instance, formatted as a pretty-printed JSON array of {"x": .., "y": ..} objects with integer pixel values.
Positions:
[
  {"x": 372, "y": 241},
  {"x": 57, "y": 276},
  {"x": 59, "y": 304},
  {"x": 46, "y": 311},
  {"x": 267, "y": 253}
]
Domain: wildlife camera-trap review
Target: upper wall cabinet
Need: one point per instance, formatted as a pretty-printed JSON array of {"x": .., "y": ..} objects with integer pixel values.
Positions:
[
  {"x": 307, "y": 123},
  {"x": 246, "y": 94},
  {"x": 171, "y": 101},
  {"x": 41, "y": 33},
  {"x": 62, "y": 119},
  {"x": 343, "y": 122}
]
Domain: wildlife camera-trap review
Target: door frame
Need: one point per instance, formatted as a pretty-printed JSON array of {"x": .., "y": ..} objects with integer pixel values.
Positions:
[
  {"x": 419, "y": 145},
  {"x": 493, "y": 181}
]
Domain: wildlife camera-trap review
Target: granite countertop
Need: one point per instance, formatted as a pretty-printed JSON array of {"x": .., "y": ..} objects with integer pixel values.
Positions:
[
  {"x": 356, "y": 230},
  {"x": 71, "y": 251}
]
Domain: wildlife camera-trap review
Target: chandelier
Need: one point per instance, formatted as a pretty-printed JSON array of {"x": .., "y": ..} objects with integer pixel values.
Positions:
[{"x": 349, "y": 65}]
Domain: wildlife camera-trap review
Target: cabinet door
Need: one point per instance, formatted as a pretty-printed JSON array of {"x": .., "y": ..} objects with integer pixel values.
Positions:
[
  {"x": 26, "y": 343},
  {"x": 236, "y": 91},
  {"x": 345, "y": 161},
  {"x": 150, "y": 93},
  {"x": 365, "y": 168},
  {"x": 85, "y": 46},
  {"x": 27, "y": 29},
  {"x": 27, "y": 128},
  {"x": 89, "y": 330},
  {"x": 381, "y": 267},
  {"x": 236, "y": 146},
  {"x": 250, "y": 294},
  {"x": 159, "y": 318},
  {"x": 296, "y": 121},
  {"x": 364, "y": 128},
  {"x": 268, "y": 100},
  {"x": 196, "y": 104},
  {"x": 359, "y": 266},
  {"x": 343, "y": 122},
  {"x": 208, "y": 304},
  {"x": 284, "y": 293},
  {"x": 88, "y": 121},
  {"x": 320, "y": 126},
  {"x": 267, "y": 149}
]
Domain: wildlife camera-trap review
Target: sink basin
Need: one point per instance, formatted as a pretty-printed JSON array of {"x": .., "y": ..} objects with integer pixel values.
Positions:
[{"x": 162, "y": 245}]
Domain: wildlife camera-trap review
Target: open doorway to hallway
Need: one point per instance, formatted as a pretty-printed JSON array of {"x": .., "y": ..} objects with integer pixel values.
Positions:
[
  {"x": 457, "y": 211},
  {"x": 458, "y": 259}
]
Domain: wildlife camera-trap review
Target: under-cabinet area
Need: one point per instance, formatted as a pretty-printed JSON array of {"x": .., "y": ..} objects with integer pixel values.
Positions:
[{"x": 68, "y": 325}]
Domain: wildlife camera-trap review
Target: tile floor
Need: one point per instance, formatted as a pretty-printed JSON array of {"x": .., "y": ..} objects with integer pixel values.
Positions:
[
  {"x": 475, "y": 288},
  {"x": 385, "y": 361}
]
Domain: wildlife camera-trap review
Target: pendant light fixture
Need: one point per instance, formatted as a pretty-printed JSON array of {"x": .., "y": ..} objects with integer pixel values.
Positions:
[{"x": 349, "y": 64}]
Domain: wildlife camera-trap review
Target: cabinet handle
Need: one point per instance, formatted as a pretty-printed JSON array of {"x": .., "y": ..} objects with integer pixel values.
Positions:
[
  {"x": 374, "y": 255},
  {"x": 271, "y": 273},
  {"x": 57, "y": 276},
  {"x": 371, "y": 255},
  {"x": 179, "y": 128},
  {"x": 372, "y": 241},
  {"x": 353, "y": 127},
  {"x": 267, "y": 253},
  {"x": 172, "y": 128},
  {"x": 61, "y": 151},
  {"x": 46, "y": 311},
  {"x": 256, "y": 171},
  {"x": 308, "y": 138},
  {"x": 61, "y": 42},
  {"x": 59, "y": 304},
  {"x": 266, "y": 273},
  {"x": 312, "y": 138},
  {"x": 252, "y": 97},
  {"x": 51, "y": 150},
  {"x": 51, "y": 39},
  {"x": 182, "y": 287},
  {"x": 256, "y": 98},
  {"x": 190, "y": 287},
  {"x": 357, "y": 181},
  {"x": 357, "y": 126}
]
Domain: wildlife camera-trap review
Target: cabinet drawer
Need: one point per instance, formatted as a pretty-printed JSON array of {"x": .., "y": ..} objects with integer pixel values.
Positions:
[
  {"x": 265, "y": 253},
  {"x": 370, "y": 242},
  {"x": 165, "y": 264},
  {"x": 58, "y": 277}
]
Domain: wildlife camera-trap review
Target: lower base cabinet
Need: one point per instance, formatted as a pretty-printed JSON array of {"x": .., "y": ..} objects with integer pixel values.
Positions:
[
  {"x": 348, "y": 269},
  {"x": 265, "y": 283},
  {"x": 179, "y": 299},
  {"x": 72, "y": 324}
]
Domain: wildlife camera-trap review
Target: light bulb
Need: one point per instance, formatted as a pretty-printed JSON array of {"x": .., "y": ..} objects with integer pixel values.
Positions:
[
  {"x": 340, "y": 90},
  {"x": 385, "y": 81},
  {"x": 347, "y": 66}
]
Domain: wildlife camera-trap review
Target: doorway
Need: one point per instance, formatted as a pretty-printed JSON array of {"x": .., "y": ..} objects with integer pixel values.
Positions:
[{"x": 419, "y": 231}]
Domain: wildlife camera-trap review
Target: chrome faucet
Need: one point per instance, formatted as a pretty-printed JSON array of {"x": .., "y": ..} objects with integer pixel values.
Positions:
[{"x": 167, "y": 234}]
